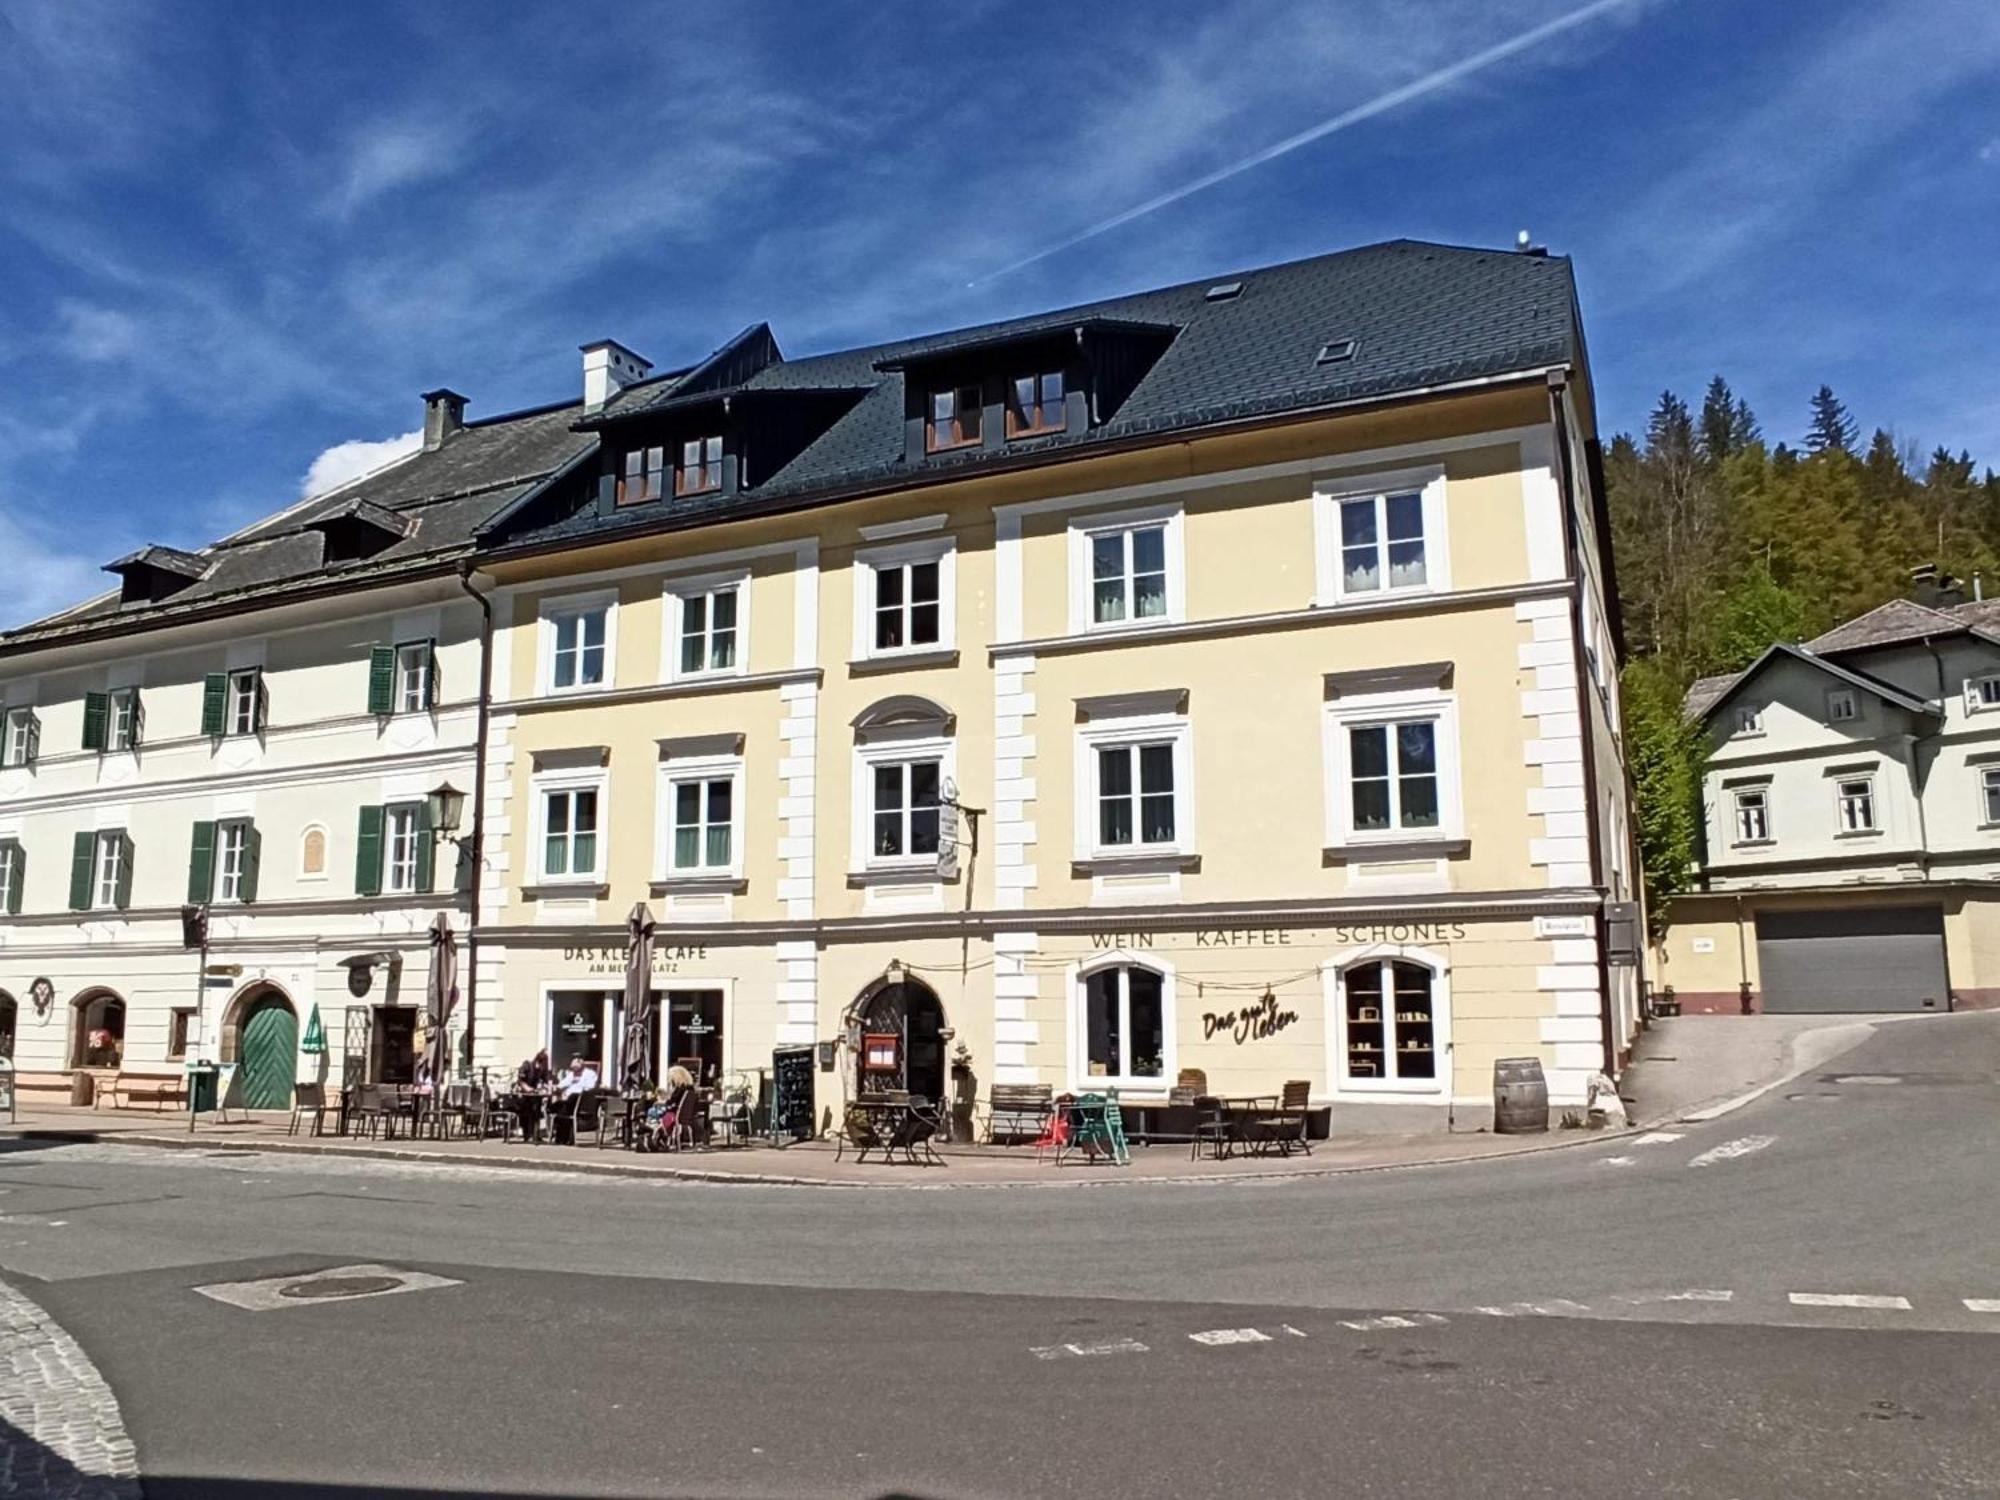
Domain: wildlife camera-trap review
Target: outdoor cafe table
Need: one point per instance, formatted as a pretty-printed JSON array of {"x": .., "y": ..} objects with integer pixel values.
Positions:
[{"x": 893, "y": 1121}]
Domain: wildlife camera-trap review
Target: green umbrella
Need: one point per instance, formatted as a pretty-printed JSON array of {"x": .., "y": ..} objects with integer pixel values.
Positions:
[{"x": 315, "y": 1041}]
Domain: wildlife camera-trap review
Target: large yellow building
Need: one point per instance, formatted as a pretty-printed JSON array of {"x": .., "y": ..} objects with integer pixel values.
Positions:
[{"x": 1218, "y": 678}]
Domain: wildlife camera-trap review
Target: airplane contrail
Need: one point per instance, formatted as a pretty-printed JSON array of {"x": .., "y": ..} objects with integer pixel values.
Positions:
[{"x": 1378, "y": 105}]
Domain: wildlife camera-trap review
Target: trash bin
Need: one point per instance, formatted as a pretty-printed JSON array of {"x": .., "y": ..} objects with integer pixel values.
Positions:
[
  {"x": 1520, "y": 1096},
  {"x": 82, "y": 1087},
  {"x": 201, "y": 1087}
]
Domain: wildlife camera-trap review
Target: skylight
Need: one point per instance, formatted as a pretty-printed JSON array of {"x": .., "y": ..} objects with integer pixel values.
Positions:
[
  {"x": 1337, "y": 351},
  {"x": 1223, "y": 291}
]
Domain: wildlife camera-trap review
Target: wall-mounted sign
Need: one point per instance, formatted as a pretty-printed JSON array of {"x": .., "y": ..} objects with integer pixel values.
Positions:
[
  {"x": 667, "y": 959},
  {"x": 1253, "y": 1023},
  {"x": 1704, "y": 945},
  {"x": 224, "y": 971},
  {"x": 1562, "y": 927},
  {"x": 1280, "y": 937}
]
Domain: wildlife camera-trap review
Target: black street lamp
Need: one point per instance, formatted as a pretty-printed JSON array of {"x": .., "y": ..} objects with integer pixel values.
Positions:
[{"x": 444, "y": 809}]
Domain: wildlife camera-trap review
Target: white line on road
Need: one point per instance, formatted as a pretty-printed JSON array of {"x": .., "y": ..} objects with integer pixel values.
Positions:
[
  {"x": 1085, "y": 1351},
  {"x": 1616, "y": 1161},
  {"x": 1659, "y": 1137},
  {"x": 1697, "y": 1294},
  {"x": 1730, "y": 1150},
  {"x": 1850, "y": 1299},
  {"x": 1561, "y": 1307},
  {"x": 1982, "y": 1304},
  {"x": 1295, "y": 1333},
  {"x": 1370, "y": 1325},
  {"x": 1215, "y": 1336}
]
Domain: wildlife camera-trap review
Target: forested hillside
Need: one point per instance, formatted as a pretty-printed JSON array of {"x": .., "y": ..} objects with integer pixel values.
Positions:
[{"x": 1728, "y": 539}]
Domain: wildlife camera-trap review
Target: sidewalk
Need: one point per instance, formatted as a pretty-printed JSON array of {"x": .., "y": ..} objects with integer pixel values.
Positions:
[
  {"x": 806, "y": 1164},
  {"x": 1686, "y": 1065}
]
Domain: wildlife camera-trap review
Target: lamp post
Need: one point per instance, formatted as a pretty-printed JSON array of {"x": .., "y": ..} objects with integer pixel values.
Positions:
[{"x": 443, "y": 809}]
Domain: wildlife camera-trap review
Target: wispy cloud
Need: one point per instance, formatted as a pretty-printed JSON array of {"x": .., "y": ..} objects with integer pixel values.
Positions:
[
  {"x": 348, "y": 461},
  {"x": 96, "y": 334},
  {"x": 387, "y": 155}
]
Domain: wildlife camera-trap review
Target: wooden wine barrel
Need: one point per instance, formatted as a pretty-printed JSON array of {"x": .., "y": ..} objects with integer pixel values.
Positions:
[{"x": 1520, "y": 1096}]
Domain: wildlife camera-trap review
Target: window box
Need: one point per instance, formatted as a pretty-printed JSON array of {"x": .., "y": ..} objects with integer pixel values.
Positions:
[
  {"x": 1383, "y": 536},
  {"x": 1128, "y": 570}
]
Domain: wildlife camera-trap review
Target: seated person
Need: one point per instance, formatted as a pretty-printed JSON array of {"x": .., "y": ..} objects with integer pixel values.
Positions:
[{"x": 577, "y": 1080}]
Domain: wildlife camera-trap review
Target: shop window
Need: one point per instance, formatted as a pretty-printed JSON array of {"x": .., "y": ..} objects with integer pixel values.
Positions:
[
  {"x": 1389, "y": 1011},
  {"x": 1125, "y": 1021},
  {"x": 99, "y": 1040},
  {"x": 694, "y": 1033},
  {"x": 577, "y": 1028}
]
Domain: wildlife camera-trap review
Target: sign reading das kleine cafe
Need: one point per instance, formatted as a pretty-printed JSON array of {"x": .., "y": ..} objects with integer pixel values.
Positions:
[{"x": 609, "y": 960}]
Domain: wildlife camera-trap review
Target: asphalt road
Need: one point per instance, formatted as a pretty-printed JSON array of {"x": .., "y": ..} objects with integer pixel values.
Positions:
[{"x": 1799, "y": 1299}]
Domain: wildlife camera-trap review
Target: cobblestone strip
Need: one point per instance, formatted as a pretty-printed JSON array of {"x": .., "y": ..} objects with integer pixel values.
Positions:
[{"x": 61, "y": 1436}]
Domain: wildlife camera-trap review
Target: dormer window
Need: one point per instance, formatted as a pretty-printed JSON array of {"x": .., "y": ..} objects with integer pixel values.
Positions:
[
  {"x": 1035, "y": 405},
  {"x": 644, "y": 477},
  {"x": 954, "y": 419},
  {"x": 700, "y": 468}
]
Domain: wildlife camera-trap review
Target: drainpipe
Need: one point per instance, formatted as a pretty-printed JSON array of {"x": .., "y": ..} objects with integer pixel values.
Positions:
[
  {"x": 475, "y": 841},
  {"x": 1742, "y": 961},
  {"x": 1573, "y": 562}
]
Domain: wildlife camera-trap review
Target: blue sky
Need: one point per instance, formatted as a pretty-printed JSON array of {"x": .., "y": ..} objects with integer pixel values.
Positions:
[{"x": 236, "y": 239}]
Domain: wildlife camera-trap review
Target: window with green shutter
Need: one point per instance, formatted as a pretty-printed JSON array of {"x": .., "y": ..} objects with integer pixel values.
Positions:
[
  {"x": 368, "y": 853},
  {"x": 13, "y": 876},
  {"x": 82, "y": 869},
  {"x": 426, "y": 848},
  {"x": 214, "y": 703},
  {"x": 123, "y": 884},
  {"x": 96, "y": 711},
  {"x": 253, "y": 859},
  {"x": 382, "y": 680},
  {"x": 201, "y": 864}
]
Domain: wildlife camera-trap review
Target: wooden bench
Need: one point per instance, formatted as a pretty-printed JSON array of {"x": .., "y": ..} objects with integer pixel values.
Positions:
[
  {"x": 158, "y": 1089},
  {"x": 1017, "y": 1109}
]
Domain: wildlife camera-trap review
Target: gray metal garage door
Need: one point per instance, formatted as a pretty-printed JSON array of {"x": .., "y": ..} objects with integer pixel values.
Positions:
[{"x": 1881, "y": 958}]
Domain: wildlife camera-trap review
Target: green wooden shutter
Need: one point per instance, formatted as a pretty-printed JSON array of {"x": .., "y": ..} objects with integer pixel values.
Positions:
[
  {"x": 138, "y": 719},
  {"x": 214, "y": 702},
  {"x": 382, "y": 680},
  {"x": 95, "y": 707},
  {"x": 430, "y": 676},
  {"x": 201, "y": 864},
  {"x": 34, "y": 738},
  {"x": 263, "y": 707},
  {"x": 253, "y": 857},
  {"x": 82, "y": 854},
  {"x": 20, "y": 860},
  {"x": 368, "y": 853},
  {"x": 124, "y": 897},
  {"x": 426, "y": 848}
]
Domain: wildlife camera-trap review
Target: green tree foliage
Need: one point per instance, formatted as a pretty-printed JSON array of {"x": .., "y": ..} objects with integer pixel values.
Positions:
[
  {"x": 1832, "y": 430},
  {"x": 1665, "y": 753}
]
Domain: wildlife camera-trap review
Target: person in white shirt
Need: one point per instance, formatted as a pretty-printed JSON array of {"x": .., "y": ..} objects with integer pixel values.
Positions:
[{"x": 578, "y": 1079}]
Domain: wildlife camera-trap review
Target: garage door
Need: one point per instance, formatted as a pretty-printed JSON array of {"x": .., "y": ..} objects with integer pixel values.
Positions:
[{"x": 1885, "y": 958}]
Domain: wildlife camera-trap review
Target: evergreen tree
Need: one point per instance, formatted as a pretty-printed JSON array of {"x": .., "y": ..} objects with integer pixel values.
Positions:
[
  {"x": 1666, "y": 753},
  {"x": 1832, "y": 429},
  {"x": 1727, "y": 425}
]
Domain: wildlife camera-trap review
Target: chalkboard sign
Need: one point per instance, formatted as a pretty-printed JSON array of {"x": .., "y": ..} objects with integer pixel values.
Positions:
[{"x": 792, "y": 1094}]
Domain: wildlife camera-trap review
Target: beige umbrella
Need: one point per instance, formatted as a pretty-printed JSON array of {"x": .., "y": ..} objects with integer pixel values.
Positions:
[{"x": 635, "y": 1064}]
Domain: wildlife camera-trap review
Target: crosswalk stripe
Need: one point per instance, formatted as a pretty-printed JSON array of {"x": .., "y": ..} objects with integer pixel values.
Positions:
[
  {"x": 1216, "y": 1336},
  {"x": 1730, "y": 1150},
  {"x": 1659, "y": 1137},
  {"x": 1850, "y": 1299},
  {"x": 1982, "y": 1304}
]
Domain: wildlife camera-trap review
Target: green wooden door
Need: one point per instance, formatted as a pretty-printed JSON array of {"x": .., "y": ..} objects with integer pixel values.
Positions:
[{"x": 269, "y": 1053}]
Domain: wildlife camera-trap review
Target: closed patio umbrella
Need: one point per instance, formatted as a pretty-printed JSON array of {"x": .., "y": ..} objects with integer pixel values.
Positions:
[
  {"x": 635, "y": 1062},
  {"x": 442, "y": 995}
]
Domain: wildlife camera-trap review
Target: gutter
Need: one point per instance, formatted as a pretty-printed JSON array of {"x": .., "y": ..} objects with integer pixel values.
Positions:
[{"x": 475, "y": 841}]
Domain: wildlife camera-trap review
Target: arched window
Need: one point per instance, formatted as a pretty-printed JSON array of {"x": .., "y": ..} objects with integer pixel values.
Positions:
[
  {"x": 1124, "y": 1027},
  {"x": 312, "y": 854},
  {"x": 9, "y": 1020},
  {"x": 1390, "y": 1008},
  {"x": 98, "y": 1039}
]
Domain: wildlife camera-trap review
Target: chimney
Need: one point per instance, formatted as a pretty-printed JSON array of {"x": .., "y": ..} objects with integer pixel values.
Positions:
[
  {"x": 608, "y": 367},
  {"x": 444, "y": 414}
]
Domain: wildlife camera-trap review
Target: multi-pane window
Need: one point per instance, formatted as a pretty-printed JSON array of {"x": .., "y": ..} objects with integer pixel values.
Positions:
[
  {"x": 245, "y": 690},
  {"x": 181, "y": 1023},
  {"x": 905, "y": 809},
  {"x": 1124, "y": 1027},
  {"x": 1985, "y": 692},
  {"x": 1382, "y": 543},
  {"x": 23, "y": 734},
  {"x": 1393, "y": 776},
  {"x": 577, "y": 658},
  {"x": 1857, "y": 805},
  {"x": 13, "y": 867},
  {"x": 1841, "y": 706},
  {"x": 953, "y": 419},
  {"x": 1135, "y": 795},
  {"x": 1749, "y": 718},
  {"x": 1753, "y": 817},
  {"x": 644, "y": 477},
  {"x": 1391, "y": 1022},
  {"x": 708, "y": 630},
  {"x": 569, "y": 833},
  {"x": 1989, "y": 791},
  {"x": 907, "y": 610},
  {"x": 109, "y": 876},
  {"x": 231, "y": 845},
  {"x": 704, "y": 812},
  {"x": 401, "y": 829},
  {"x": 1128, "y": 574},
  {"x": 121, "y": 721},
  {"x": 413, "y": 678},
  {"x": 1035, "y": 405},
  {"x": 700, "y": 468}
]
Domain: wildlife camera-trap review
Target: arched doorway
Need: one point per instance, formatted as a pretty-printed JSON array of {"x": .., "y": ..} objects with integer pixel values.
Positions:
[
  {"x": 97, "y": 1035},
  {"x": 9, "y": 1020},
  {"x": 908, "y": 1011},
  {"x": 261, "y": 1035}
]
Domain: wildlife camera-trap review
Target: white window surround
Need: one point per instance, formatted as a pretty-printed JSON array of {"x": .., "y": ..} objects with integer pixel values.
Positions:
[
  {"x": 1428, "y": 483},
  {"x": 106, "y": 866},
  {"x": 675, "y": 594},
  {"x": 540, "y": 785},
  {"x": 942, "y": 550},
  {"x": 1081, "y": 1079},
  {"x": 326, "y": 852},
  {"x": 1854, "y": 807},
  {"x": 1842, "y": 706},
  {"x": 1333, "y": 973},
  {"x": 1083, "y": 530},
  {"x": 1150, "y": 719},
  {"x": 570, "y": 605},
  {"x": 1989, "y": 796},
  {"x": 1982, "y": 694},
  {"x": 1750, "y": 820},
  {"x": 1749, "y": 719},
  {"x": 1388, "y": 707},
  {"x": 892, "y": 746},
  {"x": 673, "y": 773}
]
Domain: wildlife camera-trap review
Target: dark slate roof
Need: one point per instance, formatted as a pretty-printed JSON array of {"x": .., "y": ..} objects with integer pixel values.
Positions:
[
  {"x": 439, "y": 498},
  {"x": 1705, "y": 693},
  {"x": 1898, "y": 621},
  {"x": 1424, "y": 315},
  {"x": 1716, "y": 696}
]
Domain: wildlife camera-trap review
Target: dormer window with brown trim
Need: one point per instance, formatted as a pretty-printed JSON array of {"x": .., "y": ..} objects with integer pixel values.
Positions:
[
  {"x": 700, "y": 468},
  {"x": 954, "y": 419},
  {"x": 644, "y": 477},
  {"x": 1035, "y": 405}
]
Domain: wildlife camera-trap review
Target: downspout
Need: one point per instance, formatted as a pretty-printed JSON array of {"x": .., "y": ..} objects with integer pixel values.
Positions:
[
  {"x": 1919, "y": 783},
  {"x": 1573, "y": 562},
  {"x": 475, "y": 841}
]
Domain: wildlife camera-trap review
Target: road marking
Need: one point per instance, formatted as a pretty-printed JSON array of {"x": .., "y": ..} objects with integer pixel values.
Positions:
[
  {"x": 1982, "y": 1304},
  {"x": 1730, "y": 1150},
  {"x": 1086, "y": 1351},
  {"x": 1616, "y": 1161},
  {"x": 1698, "y": 1294},
  {"x": 1659, "y": 1137},
  {"x": 1217, "y": 1336},
  {"x": 1850, "y": 1299},
  {"x": 1866, "y": 1078},
  {"x": 1370, "y": 1325},
  {"x": 1560, "y": 1307},
  {"x": 1295, "y": 1333}
]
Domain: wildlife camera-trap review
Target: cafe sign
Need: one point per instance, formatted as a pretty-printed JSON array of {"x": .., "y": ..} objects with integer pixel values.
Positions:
[
  {"x": 1352, "y": 936},
  {"x": 607, "y": 960}
]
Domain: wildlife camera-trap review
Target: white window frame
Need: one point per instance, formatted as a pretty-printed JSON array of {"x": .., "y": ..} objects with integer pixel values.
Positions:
[
  {"x": 1428, "y": 484},
  {"x": 572, "y": 606},
  {"x": 1333, "y": 987},
  {"x": 420, "y": 678},
  {"x": 871, "y": 562},
  {"x": 12, "y": 860},
  {"x": 1865, "y": 798},
  {"x": 1081, "y": 1079},
  {"x": 675, "y": 773},
  {"x": 1084, "y": 530},
  {"x": 893, "y": 747},
  {"x": 104, "y": 869},
  {"x": 19, "y": 729},
  {"x": 674, "y": 599},
  {"x": 121, "y": 719},
  {"x": 1843, "y": 705},
  {"x": 1989, "y": 787},
  {"x": 1976, "y": 688},
  {"x": 1749, "y": 719},
  {"x": 232, "y": 843},
  {"x": 541, "y": 786},
  {"x": 1737, "y": 838},
  {"x": 1118, "y": 731},
  {"x": 1388, "y": 708},
  {"x": 398, "y": 879},
  {"x": 237, "y": 701}
]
